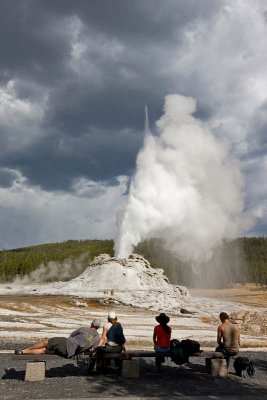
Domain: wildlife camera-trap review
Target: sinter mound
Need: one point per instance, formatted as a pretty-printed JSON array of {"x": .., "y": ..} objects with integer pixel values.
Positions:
[{"x": 130, "y": 281}]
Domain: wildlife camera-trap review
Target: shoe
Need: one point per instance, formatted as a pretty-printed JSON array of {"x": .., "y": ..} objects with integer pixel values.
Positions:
[{"x": 18, "y": 352}]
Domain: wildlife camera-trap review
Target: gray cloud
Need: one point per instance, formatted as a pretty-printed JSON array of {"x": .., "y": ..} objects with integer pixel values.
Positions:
[{"x": 75, "y": 77}]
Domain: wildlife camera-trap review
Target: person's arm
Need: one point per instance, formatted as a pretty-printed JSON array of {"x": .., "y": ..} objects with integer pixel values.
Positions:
[
  {"x": 154, "y": 336},
  {"x": 123, "y": 345},
  {"x": 103, "y": 337},
  {"x": 74, "y": 333},
  {"x": 238, "y": 334},
  {"x": 219, "y": 335}
]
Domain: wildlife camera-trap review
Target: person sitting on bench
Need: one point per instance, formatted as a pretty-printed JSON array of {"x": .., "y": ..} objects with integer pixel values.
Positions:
[
  {"x": 161, "y": 338},
  {"x": 82, "y": 339},
  {"x": 112, "y": 338},
  {"x": 228, "y": 337}
]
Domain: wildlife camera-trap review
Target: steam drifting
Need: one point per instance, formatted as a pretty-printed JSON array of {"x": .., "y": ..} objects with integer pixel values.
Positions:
[
  {"x": 53, "y": 271},
  {"x": 187, "y": 189}
]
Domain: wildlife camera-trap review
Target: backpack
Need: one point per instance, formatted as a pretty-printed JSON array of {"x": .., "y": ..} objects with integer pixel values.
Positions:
[
  {"x": 177, "y": 354},
  {"x": 244, "y": 367},
  {"x": 190, "y": 346}
]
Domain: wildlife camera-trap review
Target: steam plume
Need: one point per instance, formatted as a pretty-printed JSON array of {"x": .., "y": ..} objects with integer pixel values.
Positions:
[
  {"x": 147, "y": 127},
  {"x": 186, "y": 190},
  {"x": 54, "y": 271}
]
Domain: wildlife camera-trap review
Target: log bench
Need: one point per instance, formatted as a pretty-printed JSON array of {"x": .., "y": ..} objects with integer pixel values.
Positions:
[
  {"x": 215, "y": 361},
  {"x": 36, "y": 364}
]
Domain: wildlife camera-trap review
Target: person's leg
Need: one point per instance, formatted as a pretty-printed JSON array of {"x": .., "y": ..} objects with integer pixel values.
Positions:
[
  {"x": 159, "y": 357},
  {"x": 220, "y": 349},
  {"x": 158, "y": 362},
  {"x": 228, "y": 356},
  {"x": 37, "y": 348},
  {"x": 118, "y": 363},
  {"x": 114, "y": 349},
  {"x": 99, "y": 366}
]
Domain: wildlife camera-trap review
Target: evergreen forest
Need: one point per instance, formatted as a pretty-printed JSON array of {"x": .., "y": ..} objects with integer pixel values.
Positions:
[
  {"x": 23, "y": 261},
  {"x": 243, "y": 260}
]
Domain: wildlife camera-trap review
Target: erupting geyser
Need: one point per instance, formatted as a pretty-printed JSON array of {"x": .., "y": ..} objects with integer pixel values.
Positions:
[{"x": 187, "y": 189}]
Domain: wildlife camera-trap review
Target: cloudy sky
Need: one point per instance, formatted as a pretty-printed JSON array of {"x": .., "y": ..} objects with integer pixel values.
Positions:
[{"x": 75, "y": 77}]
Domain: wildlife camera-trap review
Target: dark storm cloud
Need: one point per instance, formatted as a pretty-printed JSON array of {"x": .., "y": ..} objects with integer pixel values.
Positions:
[
  {"x": 36, "y": 39},
  {"x": 56, "y": 161},
  {"x": 30, "y": 45},
  {"x": 75, "y": 77},
  {"x": 6, "y": 177}
]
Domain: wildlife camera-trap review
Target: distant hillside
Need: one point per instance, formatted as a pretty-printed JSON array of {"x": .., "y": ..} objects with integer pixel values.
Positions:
[
  {"x": 25, "y": 260},
  {"x": 242, "y": 260}
]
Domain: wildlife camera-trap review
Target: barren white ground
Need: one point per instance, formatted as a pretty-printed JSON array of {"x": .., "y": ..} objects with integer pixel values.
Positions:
[{"x": 135, "y": 291}]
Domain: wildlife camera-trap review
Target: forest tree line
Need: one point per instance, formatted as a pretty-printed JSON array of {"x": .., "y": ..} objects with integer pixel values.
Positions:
[
  {"x": 243, "y": 260},
  {"x": 240, "y": 261},
  {"x": 23, "y": 261}
]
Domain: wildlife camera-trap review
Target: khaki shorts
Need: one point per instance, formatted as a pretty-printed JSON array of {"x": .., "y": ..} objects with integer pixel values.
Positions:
[{"x": 113, "y": 349}]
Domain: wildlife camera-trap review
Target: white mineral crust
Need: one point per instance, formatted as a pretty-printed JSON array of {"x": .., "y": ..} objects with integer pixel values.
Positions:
[{"x": 130, "y": 281}]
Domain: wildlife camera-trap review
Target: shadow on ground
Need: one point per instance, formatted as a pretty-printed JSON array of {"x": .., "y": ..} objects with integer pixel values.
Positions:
[
  {"x": 65, "y": 380},
  {"x": 190, "y": 379},
  {"x": 55, "y": 372}
]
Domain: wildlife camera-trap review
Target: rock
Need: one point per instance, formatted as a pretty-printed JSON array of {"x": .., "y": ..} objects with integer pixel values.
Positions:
[{"x": 184, "y": 311}]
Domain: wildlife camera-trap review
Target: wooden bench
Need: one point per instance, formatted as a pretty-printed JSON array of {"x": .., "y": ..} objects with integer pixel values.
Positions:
[
  {"x": 36, "y": 364},
  {"x": 35, "y": 357},
  {"x": 215, "y": 361}
]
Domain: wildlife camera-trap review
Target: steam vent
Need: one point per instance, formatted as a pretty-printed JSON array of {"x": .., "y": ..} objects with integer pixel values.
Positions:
[{"x": 130, "y": 281}]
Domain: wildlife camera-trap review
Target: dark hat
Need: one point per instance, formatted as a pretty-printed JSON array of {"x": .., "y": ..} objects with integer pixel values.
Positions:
[{"x": 162, "y": 318}]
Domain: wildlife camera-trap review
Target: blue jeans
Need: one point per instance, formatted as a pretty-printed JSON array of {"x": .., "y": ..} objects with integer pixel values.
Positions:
[
  {"x": 228, "y": 354},
  {"x": 160, "y": 352}
]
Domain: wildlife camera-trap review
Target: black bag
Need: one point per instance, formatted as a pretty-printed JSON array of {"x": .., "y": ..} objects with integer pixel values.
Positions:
[
  {"x": 190, "y": 346},
  {"x": 244, "y": 367},
  {"x": 177, "y": 354}
]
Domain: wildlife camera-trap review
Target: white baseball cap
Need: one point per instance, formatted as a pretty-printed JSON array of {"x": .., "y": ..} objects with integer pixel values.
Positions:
[{"x": 112, "y": 315}]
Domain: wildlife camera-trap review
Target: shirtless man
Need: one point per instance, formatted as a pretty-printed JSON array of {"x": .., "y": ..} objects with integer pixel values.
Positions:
[{"x": 228, "y": 337}]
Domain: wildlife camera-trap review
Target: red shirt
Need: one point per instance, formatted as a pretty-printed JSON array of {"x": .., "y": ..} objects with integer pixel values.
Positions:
[{"x": 162, "y": 337}]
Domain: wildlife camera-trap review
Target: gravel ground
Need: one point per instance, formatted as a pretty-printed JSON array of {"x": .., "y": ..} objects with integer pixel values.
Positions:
[{"x": 65, "y": 380}]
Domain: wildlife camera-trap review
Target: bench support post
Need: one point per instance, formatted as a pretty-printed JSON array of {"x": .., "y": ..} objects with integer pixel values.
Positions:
[
  {"x": 35, "y": 371},
  {"x": 217, "y": 367},
  {"x": 130, "y": 368}
]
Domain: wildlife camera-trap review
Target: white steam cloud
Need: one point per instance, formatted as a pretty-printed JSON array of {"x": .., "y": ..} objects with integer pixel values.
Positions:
[
  {"x": 54, "y": 271},
  {"x": 187, "y": 189}
]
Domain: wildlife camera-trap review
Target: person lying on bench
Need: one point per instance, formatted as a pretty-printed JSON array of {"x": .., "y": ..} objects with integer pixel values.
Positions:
[
  {"x": 228, "y": 337},
  {"x": 82, "y": 339}
]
